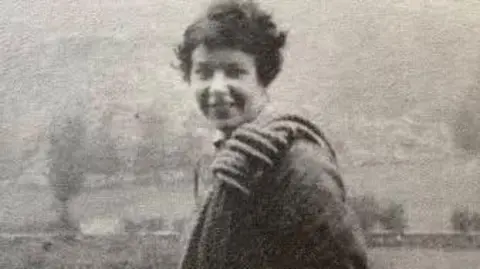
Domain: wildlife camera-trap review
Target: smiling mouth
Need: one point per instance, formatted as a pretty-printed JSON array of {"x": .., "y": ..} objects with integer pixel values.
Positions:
[
  {"x": 222, "y": 105},
  {"x": 221, "y": 111}
]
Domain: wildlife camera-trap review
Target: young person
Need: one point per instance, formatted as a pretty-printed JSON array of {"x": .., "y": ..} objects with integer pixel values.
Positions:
[{"x": 278, "y": 200}]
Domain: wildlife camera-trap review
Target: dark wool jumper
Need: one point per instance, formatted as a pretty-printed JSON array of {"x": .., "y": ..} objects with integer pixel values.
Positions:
[{"x": 287, "y": 213}]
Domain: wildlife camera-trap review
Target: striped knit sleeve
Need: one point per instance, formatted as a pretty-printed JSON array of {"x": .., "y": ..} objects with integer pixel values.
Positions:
[{"x": 253, "y": 150}]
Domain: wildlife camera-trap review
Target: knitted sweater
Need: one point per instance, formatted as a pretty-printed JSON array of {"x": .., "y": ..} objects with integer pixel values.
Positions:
[{"x": 285, "y": 209}]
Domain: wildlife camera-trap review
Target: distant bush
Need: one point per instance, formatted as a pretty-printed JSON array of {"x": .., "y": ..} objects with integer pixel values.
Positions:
[
  {"x": 393, "y": 218},
  {"x": 476, "y": 221},
  {"x": 150, "y": 225},
  {"x": 460, "y": 220},
  {"x": 465, "y": 220},
  {"x": 367, "y": 209},
  {"x": 371, "y": 212}
]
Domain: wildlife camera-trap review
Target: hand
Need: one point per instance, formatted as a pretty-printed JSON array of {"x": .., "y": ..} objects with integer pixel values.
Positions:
[{"x": 250, "y": 152}]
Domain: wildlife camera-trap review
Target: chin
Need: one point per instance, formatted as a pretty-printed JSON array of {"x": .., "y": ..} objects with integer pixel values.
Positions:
[{"x": 232, "y": 123}]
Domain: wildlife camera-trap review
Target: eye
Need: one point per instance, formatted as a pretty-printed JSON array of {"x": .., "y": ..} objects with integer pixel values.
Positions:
[
  {"x": 204, "y": 72},
  {"x": 234, "y": 71}
]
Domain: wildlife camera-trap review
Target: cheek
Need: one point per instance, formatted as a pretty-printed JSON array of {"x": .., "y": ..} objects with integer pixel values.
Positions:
[
  {"x": 201, "y": 97},
  {"x": 199, "y": 92},
  {"x": 198, "y": 88},
  {"x": 253, "y": 92}
]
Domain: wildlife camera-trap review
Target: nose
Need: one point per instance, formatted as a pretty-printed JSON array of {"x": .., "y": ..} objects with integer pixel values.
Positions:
[
  {"x": 219, "y": 90},
  {"x": 219, "y": 83}
]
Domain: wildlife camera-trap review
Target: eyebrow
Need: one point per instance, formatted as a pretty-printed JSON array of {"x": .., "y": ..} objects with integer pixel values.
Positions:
[
  {"x": 206, "y": 64},
  {"x": 203, "y": 64}
]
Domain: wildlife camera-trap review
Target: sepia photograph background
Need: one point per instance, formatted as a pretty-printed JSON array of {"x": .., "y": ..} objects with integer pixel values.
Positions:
[{"x": 91, "y": 86}]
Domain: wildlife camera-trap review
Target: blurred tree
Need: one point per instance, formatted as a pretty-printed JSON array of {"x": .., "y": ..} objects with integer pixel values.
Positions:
[
  {"x": 67, "y": 163},
  {"x": 460, "y": 220},
  {"x": 465, "y": 220},
  {"x": 103, "y": 154},
  {"x": 475, "y": 220},
  {"x": 393, "y": 218},
  {"x": 466, "y": 127},
  {"x": 151, "y": 147}
]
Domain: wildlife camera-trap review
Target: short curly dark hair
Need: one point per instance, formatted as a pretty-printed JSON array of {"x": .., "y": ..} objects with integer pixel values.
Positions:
[{"x": 239, "y": 25}]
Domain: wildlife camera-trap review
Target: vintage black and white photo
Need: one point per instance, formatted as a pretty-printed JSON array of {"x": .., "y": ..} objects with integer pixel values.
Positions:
[{"x": 235, "y": 134}]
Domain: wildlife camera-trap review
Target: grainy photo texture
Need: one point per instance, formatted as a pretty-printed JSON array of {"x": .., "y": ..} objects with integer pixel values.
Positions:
[{"x": 225, "y": 134}]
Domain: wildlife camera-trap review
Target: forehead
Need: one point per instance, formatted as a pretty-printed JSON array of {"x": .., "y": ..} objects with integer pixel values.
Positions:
[{"x": 205, "y": 55}]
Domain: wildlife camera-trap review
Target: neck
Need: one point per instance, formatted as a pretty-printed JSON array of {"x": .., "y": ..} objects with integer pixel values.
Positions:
[{"x": 227, "y": 131}]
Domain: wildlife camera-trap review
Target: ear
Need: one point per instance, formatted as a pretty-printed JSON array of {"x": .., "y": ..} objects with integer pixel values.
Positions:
[{"x": 176, "y": 66}]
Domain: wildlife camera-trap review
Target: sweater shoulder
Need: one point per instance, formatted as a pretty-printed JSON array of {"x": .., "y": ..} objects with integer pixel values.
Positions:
[
  {"x": 310, "y": 164},
  {"x": 310, "y": 156}
]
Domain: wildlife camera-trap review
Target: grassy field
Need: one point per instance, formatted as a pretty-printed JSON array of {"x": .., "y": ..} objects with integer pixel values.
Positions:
[
  {"x": 100, "y": 253},
  {"x": 401, "y": 258},
  {"x": 150, "y": 252}
]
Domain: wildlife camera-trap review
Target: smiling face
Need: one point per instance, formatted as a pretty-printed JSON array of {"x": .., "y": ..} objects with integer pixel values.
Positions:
[{"x": 226, "y": 86}]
